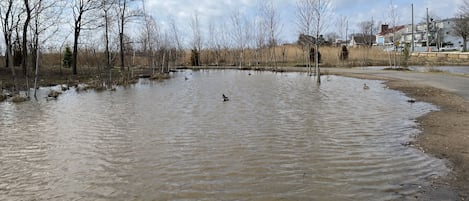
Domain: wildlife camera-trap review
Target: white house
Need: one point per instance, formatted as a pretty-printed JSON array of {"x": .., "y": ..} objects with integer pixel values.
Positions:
[
  {"x": 388, "y": 36},
  {"x": 440, "y": 35}
]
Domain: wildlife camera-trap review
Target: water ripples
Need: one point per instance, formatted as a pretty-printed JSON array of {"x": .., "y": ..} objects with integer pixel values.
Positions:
[{"x": 279, "y": 137}]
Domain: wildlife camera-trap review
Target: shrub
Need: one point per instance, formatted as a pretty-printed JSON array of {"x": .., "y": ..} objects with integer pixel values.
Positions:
[{"x": 67, "y": 57}]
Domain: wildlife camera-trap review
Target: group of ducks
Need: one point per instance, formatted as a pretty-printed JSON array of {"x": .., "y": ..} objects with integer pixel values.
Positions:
[{"x": 366, "y": 87}]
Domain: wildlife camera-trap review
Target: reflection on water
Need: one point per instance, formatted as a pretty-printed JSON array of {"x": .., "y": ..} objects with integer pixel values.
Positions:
[{"x": 279, "y": 137}]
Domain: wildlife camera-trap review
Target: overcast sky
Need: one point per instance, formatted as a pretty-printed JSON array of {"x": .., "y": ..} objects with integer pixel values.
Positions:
[{"x": 355, "y": 10}]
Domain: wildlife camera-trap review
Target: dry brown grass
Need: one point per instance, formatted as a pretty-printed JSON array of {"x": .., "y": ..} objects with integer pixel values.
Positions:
[
  {"x": 91, "y": 63},
  {"x": 294, "y": 55}
]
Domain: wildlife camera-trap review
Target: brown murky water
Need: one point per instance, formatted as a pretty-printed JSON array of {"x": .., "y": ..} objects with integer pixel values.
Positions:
[{"x": 280, "y": 137}]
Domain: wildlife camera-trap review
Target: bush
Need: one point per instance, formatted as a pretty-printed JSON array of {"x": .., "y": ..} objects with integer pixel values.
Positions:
[{"x": 343, "y": 56}]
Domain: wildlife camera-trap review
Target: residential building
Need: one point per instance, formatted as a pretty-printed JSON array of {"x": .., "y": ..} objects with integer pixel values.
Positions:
[
  {"x": 362, "y": 40},
  {"x": 440, "y": 35},
  {"x": 388, "y": 36}
]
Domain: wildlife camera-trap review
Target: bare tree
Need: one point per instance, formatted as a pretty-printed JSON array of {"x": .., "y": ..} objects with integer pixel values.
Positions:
[
  {"x": 46, "y": 15},
  {"x": 271, "y": 23},
  {"x": 367, "y": 29},
  {"x": 461, "y": 23},
  {"x": 80, "y": 9},
  {"x": 176, "y": 40},
  {"x": 125, "y": 14},
  {"x": 393, "y": 17},
  {"x": 305, "y": 16},
  {"x": 241, "y": 34},
  {"x": 212, "y": 40},
  {"x": 149, "y": 39},
  {"x": 311, "y": 20},
  {"x": 106, "y": 6},
  {"x": 342, "y": 26},
  {"x": 305, "y": 20},
  {"x": 25, "y": 41},
  {"x": 196, "y": 38},
  {"x": 260, "y": 34},
  {"x": 9, "y": 24}
]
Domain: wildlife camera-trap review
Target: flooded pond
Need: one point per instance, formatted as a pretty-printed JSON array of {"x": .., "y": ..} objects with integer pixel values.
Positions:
[{"x": 280, "y": 137}]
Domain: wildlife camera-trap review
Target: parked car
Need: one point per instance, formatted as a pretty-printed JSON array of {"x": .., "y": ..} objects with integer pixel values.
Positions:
[
  {"x": 449, "y": 49},
  {"x": 393, "y": 48}
]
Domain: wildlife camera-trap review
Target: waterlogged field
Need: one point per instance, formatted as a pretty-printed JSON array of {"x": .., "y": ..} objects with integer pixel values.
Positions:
[{"x": 280, "y": 137}]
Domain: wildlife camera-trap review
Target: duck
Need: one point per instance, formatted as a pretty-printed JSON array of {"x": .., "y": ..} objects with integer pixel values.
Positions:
[
  {"x": 225, "y": 98},
  {"x": 64, "y": 87},
  {"x": 411, "y": 101},
  {"x": 365, "y": 86}
]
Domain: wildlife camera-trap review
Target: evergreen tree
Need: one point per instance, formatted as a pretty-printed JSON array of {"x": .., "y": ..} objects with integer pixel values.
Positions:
[{"x": 67, "y": 57}]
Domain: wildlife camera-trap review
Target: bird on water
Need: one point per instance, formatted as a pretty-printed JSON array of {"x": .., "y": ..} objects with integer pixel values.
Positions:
[
  {"x": 225, "y": 98},
  {"x": 365, "y": 86}
]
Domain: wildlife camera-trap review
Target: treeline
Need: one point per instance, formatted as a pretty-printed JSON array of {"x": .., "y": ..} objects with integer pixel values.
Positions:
[
  {"x": 99, "y": 30},
  {"x": 105, "y": 34}
]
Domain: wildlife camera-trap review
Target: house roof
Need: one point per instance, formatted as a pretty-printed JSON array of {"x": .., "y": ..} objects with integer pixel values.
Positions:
[
  {"x": 391, "y": 30},
  {"x": 364, "y": 39}
]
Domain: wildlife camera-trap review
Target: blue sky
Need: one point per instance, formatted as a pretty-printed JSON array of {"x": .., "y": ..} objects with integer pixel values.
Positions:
[{"x": 355, "y": 10}]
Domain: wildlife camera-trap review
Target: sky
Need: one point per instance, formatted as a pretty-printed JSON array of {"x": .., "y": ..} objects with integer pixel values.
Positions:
[
  {"x": 355, "y": 11},
  {"x": 218, "y": 12}
]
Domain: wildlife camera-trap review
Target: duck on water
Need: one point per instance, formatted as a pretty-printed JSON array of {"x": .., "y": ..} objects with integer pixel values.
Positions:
[
  {"x": 365, "y": 86},
  {"x": 225, "y": 98}
]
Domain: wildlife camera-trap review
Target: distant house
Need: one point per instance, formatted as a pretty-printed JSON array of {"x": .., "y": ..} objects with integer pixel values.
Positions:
[
  {"x": 439, "y": 35},
  {"x": 304, "y": 40},
  {"x": 362, "y": 40},
  {"x": 389, "y": 35}
]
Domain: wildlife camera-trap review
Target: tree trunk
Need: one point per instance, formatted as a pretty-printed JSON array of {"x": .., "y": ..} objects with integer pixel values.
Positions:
[
  {"x": 316, "y": 61},
  {"x": 25, "y": 45},
  {"x": 121, "y": 42},
  {"x": 121, "y": 35},
  {"x": 464, "y": 45},
  {"x": 12, "y": 67},
  {"x": 25, "y": 40},
  {"x": 36, "y": 73},
  {"x": 107, "y": 53},
  {"x": 75, "y": 51}
]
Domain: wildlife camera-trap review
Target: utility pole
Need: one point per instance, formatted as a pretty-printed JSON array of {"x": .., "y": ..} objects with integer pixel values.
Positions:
[
  {"x": 428, "y": 33},
  {"x": 412, "y": 40},
  {"x": 371, "y": 32},
  {"x": 346, "y": 33}
]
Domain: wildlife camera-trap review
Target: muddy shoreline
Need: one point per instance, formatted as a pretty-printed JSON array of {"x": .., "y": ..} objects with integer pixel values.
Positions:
[{"x": 445, "y": 135}]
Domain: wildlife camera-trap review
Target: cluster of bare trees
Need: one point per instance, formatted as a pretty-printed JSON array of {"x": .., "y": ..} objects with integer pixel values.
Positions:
[
  {"x": 312, "y": 15},
  {"x": 29, "y": 24},
  {"x": 25, "y": 25}
]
